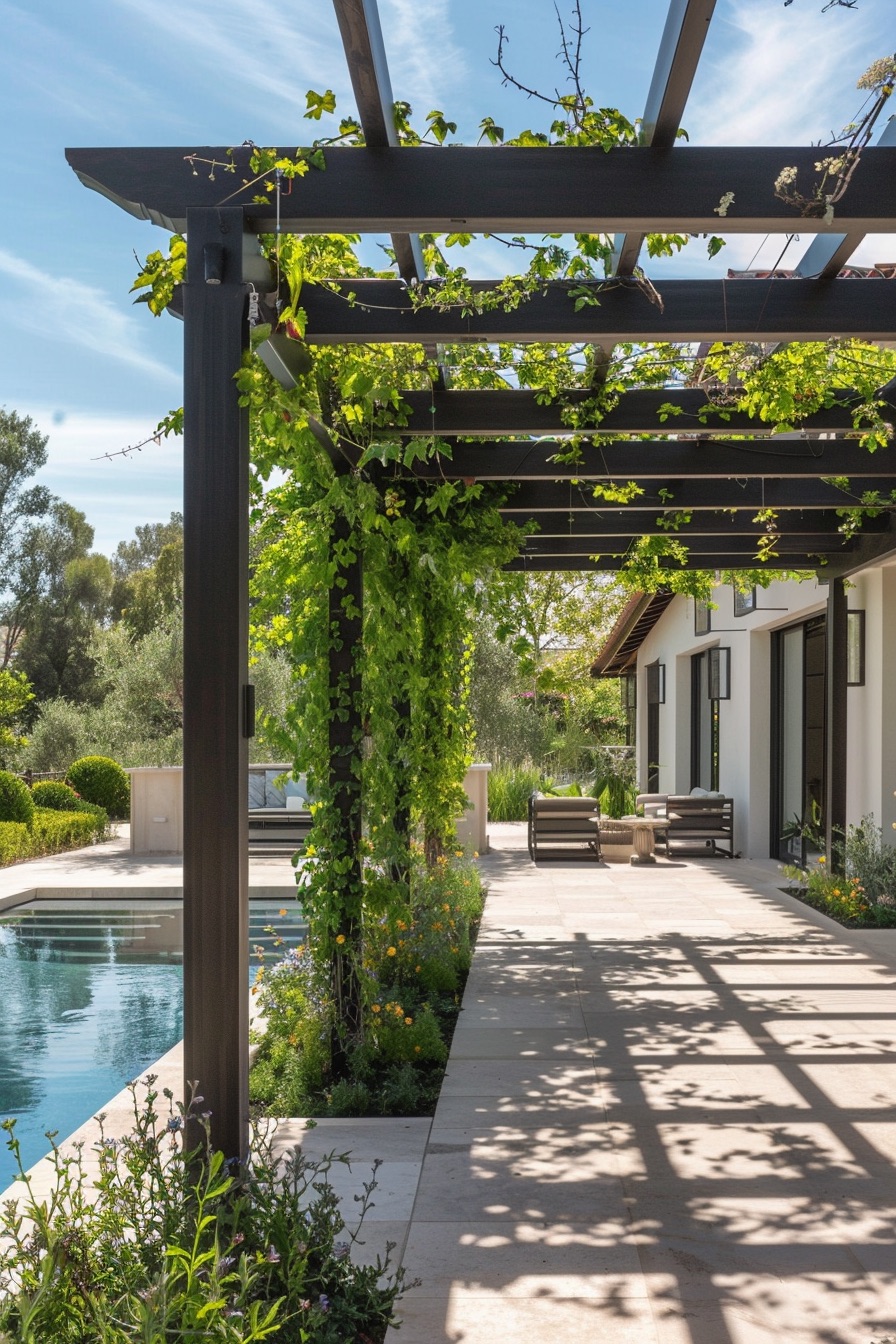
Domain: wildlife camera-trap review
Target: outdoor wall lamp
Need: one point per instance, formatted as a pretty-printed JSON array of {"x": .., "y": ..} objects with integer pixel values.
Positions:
[
  {"x": 719, "y": 679},
  {"x": 656, "y": 683}
]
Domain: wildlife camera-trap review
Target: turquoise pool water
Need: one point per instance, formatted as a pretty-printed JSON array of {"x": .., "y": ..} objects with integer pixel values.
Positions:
[{"x": 92, "y": 995}]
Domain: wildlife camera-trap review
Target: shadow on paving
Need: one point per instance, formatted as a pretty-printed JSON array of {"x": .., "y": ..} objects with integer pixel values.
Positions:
[{"x": 659, "y": 1136}]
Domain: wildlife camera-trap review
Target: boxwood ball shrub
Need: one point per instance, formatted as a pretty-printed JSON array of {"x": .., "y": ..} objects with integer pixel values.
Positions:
[
  {"x": 56, "y": 795},
  {"x": 100, "y": 780},
  {"x": 16, "y": 803}
]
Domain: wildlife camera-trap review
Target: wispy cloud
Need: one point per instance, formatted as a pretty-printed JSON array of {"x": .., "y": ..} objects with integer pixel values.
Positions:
[
  {"x": 782, "y": 77},
  {"x": 254, "y": 49},
  {"x": 66, "y": 310},
  {"x": 66, "y": 71},
  {"x": 413, "y": 31},
  {"x": 117, "y": 494}
]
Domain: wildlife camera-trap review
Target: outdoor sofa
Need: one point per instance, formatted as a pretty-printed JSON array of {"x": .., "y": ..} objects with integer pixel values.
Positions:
[
  {"x": 278, "y": 807},
  {"x": 556, "y": 824},
  {"x": 699, "y": 821}
]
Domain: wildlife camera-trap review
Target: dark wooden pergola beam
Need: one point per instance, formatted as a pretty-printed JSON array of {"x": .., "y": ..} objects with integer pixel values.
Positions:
[
  {"x": 376, "y": 311},
  {"x": 538, "y": 496},
  {"x": 723, "y": 560},
  {"x": 821, "y": 543},
  {"x": 657, "y": 460},
  {"x": 514, "y": 411},
  {"x": 365, "y": 54},
  {"x": 489, "y": 190},
  {"x": 637, "y": 522},
  {"x": 684, "y": 34}
]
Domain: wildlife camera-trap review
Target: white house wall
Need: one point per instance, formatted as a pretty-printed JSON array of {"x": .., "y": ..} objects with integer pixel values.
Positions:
[{"x": 744, "y": 724}]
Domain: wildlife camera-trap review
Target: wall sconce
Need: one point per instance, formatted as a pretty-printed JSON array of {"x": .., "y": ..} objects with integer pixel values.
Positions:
[
  {"x": 719, "y": 679},
  {"x": 656, "y": 683},
  {"x": 855, "y": 648}
]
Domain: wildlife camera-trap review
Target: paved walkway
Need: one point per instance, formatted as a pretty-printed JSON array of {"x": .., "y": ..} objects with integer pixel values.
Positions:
[{"x": 668, "y": 1117}]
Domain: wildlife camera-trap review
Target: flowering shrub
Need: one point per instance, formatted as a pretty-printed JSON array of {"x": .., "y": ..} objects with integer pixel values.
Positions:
[
  {"x": 864, "y": 896},
  {"x": 214, "y": 1253},
  {"x": 414, "y": 966}
]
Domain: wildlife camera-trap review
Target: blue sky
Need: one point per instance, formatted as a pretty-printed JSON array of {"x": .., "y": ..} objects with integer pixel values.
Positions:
[{"x": 96, "y": 374}]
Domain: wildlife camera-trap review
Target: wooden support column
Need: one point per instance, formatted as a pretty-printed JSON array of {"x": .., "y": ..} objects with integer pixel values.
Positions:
[
  {"x": 346, "y": 730},
  {"x": 835, "y": 718},
  {"x": 216, "y": 481}
]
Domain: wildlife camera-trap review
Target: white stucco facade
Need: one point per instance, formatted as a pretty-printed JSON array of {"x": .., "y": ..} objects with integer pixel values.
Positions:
[{"x": 745, "y": 727}]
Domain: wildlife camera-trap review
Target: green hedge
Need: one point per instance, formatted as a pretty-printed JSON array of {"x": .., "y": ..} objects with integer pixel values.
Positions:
[{"x": 49, "y": 833}]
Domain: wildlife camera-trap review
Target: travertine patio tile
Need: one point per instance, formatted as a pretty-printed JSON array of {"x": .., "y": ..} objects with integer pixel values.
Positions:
[
  {"x": 523, "y": 1078},
  {"x": 461, "y": 1317},
  {"x": 526, "y": 1258},
  {"x": 458, "y": 1111},
  {"x": 865, "y": 1086},
  {"x": 520, "y": 1043},
  {"x": 704, "y": 1087},
  {"x": 459, "y": 1186},
  {"x": 789, "y": 1151},
  {"x": 521, "y": 1011}
]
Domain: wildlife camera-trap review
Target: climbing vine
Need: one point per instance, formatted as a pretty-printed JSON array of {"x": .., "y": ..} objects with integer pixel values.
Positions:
[{"x": 425, "y": 546}]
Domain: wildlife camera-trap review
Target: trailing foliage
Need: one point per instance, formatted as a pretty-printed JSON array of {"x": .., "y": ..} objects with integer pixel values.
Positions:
[
  {"x": 147, "y": 1241},
  {"x": 102, "y": 782}
]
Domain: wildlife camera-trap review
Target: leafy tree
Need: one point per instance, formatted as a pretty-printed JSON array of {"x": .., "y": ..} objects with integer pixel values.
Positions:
[
  {"x": 148, "y": 573},
  {"x": 15, "y": 694},
  {"x": 63, "y": 597},
  {"x": 150, "y": 539},
  {"x": 154, "y": 593},
  {"x": 23, "y": 451}
]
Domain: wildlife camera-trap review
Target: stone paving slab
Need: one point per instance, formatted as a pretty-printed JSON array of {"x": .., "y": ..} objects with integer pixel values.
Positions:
[{"x": 669, "y": 1117}]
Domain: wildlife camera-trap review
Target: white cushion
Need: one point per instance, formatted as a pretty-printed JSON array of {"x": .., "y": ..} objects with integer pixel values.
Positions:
[{"x": 699, "y": 793}]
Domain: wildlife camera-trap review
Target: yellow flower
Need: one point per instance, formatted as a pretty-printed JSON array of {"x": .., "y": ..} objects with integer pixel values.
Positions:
[
  {"x": 475, "y": 853},
  {"x": 821, "y": 858},
  {"x": 409, "y": 1021},
  {"x": 340, "y": 937},
  {"x": 376, "y": 1008},
  {"x": 310, "y": 851},
  {"x": 390, "y": 951},
  {"x": 282, "y": 913},
  {"x": 417, "y": 969},
  {"x": 446, "y": 906},
  {"x": 416, "y": 1049},
  {"x": 458, "y": 853},
  {"x": 836, "y": 891}
]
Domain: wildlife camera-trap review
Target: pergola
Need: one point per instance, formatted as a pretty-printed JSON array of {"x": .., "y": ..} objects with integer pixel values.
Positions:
[{"x": 656, "y": 186}]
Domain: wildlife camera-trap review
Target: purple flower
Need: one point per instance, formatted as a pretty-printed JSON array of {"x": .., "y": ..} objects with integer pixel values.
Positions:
[
  {"x": 175, "y": 1123},
  {"x": 323, "y": 1302},
  {"x": 273, "y": 1256}
]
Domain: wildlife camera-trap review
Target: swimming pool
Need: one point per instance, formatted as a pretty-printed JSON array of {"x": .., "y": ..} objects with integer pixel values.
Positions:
[{"x": 92, "y": 995}]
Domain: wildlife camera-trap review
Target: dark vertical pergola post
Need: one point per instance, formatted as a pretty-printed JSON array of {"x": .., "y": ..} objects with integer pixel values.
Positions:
[
  {"x": 346, "y": 730},
  {"x": 216, "y": 477},
  {"x": 835, "y": 717}
]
